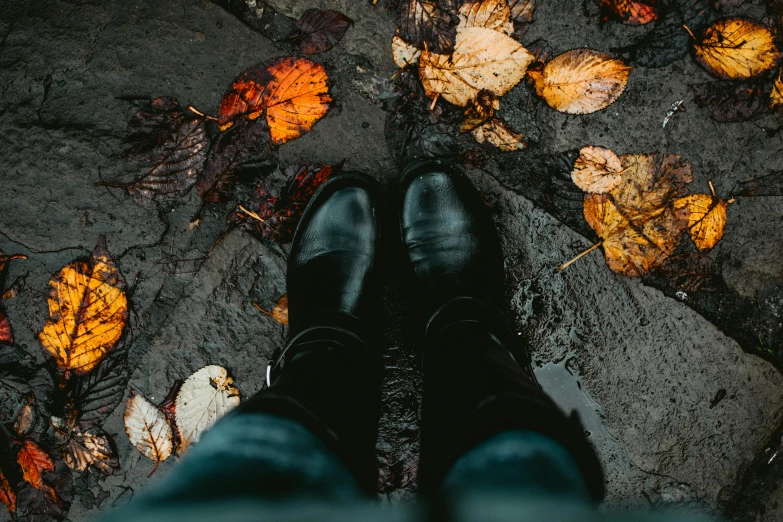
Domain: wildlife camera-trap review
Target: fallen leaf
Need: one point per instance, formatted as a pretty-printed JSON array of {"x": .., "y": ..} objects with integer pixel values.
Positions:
[
  {"x": 205, "y": 396},
  {"x": 581, "y": 81},
  {"x": 292, "y": 92},
  {"x": 479, "y": 110},
  {"x": 541, "y": 50},
  {"x": 776, "y": 96},
  {"x": 488, "y": 14},
  {"x": 97, "y": 395},
  {"x": 169, "y": 409},
  {"x": 52, "y": 500},
  {"x": 20, "y": 376},
  {"x": 404, "y": 54},
  {"x": 482, "y": 59},
  {"x": 734, "y": 48},
  {"x": 688, "y": 272},
  {"x": 88, "y": 310},
  {"x": 25, "y": 418},
  {"x": 318, "y": 30},
  {"x": 279, "y": 201},
  {"x": 174, "y": 141},
  {"x": 627, "y": 251},
  {"x": 423, "y": 23},
  {"x": 6, "y": 335},
  {"x": 7, "y": 494},
  {"x": 522, "y": 10},
  {"x": 500, "y": 134},
  {"x": 81, "y": 450},
  {"x": 729, "y": 100},
  {"x": 148, "y": 429},
  {"x": 597, "y": 170},
  {"x": 279, "y": 312},
  {"x": 631, "y": 12},
  {"x": 706, "y": 217},
  {"x": 34, "y": 461}
]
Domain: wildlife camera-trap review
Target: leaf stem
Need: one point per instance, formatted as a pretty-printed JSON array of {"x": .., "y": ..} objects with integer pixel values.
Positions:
[
  {"x": 258, "y": 307},
  {"x": 434, "y": 101},
  {"x": 569, "y": 263},
  {"x": 689, "y": 31},
  {"x": 251, "y": 214}
]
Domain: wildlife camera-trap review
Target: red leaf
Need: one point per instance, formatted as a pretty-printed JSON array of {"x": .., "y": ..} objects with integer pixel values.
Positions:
[
  {"x": 318, "y": 31},
  {"x": 279, "y": 201},
  {"x": 7, "y": 495},
  {"x": 34, "y": 461},
  {"x": 630, "y": 12},
  {"x": 6, "y": 336}
]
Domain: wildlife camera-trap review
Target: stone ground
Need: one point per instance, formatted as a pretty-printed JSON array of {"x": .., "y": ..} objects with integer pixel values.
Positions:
[{"x": 645, "y": 371}]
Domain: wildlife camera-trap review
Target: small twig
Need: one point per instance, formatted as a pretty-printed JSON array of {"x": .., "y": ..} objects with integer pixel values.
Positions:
[
  {"x": 712, "y": 188},
  {"x": 251, "y": 214},
  {"x": 689, "y": 31},
  {"x": 199, "y": 113},
  {"x": 569, "y": 263},
  {"x": 258, "y": 307},
  {"x": 434, "y": 101}
]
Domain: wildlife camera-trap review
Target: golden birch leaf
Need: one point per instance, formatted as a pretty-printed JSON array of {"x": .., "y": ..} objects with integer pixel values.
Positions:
[
  {"x": 148, "y": 429},
  {"x": 205, "y": 396},
  {"x": 735, "y": 48},
  {"x": 581, "y": 81},
  {"x": 88, "y": 310},
  {"x": 489, "y": 14},
  {"x": 404, "y": 54},
  {"x": 498, "y": 133},
  {"x": 482, "y": 59},
  {"x": 597, "y": 170},
  {"x": 706, "y": 216},
  {"x": 776, "y": 96}
]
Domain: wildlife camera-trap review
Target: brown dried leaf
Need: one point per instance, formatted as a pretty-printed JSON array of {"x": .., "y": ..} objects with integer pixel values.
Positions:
[
  {"x": 734, "y": 48},
  {"x": 581, "y": 81},
  {"x": 279, "y": 312},
  {"x": 84, "y": 449},
  {"x": 25, "y": 418},
  {"x": 488, "y": 14},
  {"x": 522, "y": 10},
  {"x": 482, "y": 59},
  {"x": 34, "y": 461},
  {"x": 205, "y": 396},
  {"x": 6, "y": 334},
  {"x": 423, "y": 23},
  {"x": 319, "y": 30},
  {"x": 479, "y": 110},
  {"x": 500, "y": 134},
  {"x": 597, "y": 170},
  {"x": 729, "y": 100},
  {"x": 7, "y": 494},
  {"x": 630, "y": 12}
]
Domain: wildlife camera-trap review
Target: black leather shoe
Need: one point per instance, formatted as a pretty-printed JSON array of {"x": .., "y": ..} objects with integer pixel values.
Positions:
[
  {"x": 477, "y": 378},
  {"x": 328, "y": 376}
]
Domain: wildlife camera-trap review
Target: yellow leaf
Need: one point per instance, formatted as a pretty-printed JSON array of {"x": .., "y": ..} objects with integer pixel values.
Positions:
[
  {"x": 482, "y": 59},
  {"x": 404, "y": 54},
  {"x": 88, "y": 310},
  {"x": 597, "y": 170},
  {"x": 776, "y": 96},
  {"x": 489, "y": 14},
  {"x": 581, "y": 81},
  {"x": 205, "y": 396},
  {"x": 148, "y": 429},
  {"x": 706, "y": 217},
  {"x": 498, "y": 133},
  {"x": 737, "y": 48}
]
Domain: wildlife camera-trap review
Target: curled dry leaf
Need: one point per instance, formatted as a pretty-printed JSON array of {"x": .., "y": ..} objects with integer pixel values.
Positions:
[
  {"x": 279, "y": 312},
  {"x": 148, "y": 429},
  {"x": 205, "y": 396},
  {"x": 597, "y": 170},
  {"x": 630, "y": 12},
  {"x": 88, "y": 310},
  {"x": 581, "y": 81},
  {"x": 706, "y": 217},
  {"x": 735, "y": 48},
  {"x": 34, "y": 461},
  {"x": 404, "y": 54},
  {"x": 81, "y": 450},
  {"x": 319, "y": 30},
  {"x": 6, "y": 335},
  {"x": 730, "y": 101},
  {"x": 488, "y": 14},
  {"x": 279, "y": 201},
  {"x": 174, "y": 141},
  {"x": 7, "y": 494},
  {"x": 482, "y": 59},
  {"x": 479, "y": 110},
  {"x": 422, "y": 23},
  {"x": 500, "y": 134},
  {"x": 292, "y": 92}
]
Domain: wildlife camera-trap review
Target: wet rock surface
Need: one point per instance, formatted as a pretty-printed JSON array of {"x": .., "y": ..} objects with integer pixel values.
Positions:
[{"x": 678, "y": 411}]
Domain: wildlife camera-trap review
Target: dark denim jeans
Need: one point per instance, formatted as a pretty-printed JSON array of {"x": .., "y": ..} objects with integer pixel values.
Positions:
[{"x": 256, "y": 466}]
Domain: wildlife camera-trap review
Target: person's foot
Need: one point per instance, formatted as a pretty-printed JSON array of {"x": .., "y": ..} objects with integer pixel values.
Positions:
[
  {"x": 477, "y": 378},
  {"x": 328, "y": 376}
]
